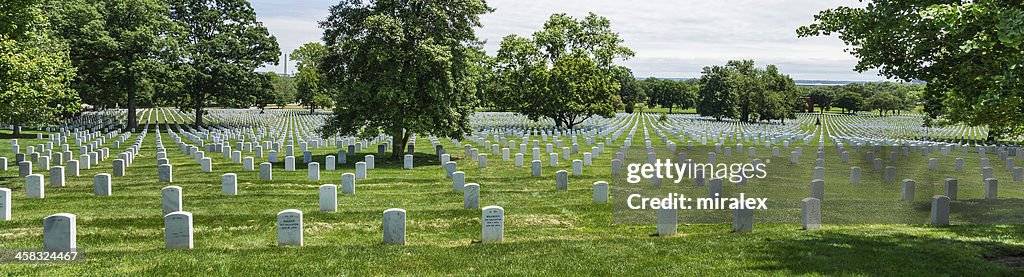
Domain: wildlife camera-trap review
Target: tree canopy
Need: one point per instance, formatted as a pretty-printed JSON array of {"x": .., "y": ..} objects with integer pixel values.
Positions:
[
  {"x": 565, "y": 72},
  {"x": 121, "y": 48},
  {"x": 630, "y": 90},
  {"x": 310, "y": 92},
  {"x": 669, "y": 93},
  {"x": 35, "y": 72},
  {"x": 401, "y": 67},
  {"x": 283, "y": 89},
  {"x": 741, "y": 91},
  {"x": 222, "y": 44},
  {"x": 853, "y": 97},
  {"x": 969, "y": 52}
]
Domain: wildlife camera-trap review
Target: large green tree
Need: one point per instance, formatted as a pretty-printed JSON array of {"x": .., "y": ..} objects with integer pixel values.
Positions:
[
  {"x": 742, "y": 91},
  {"x": 969, "y": 52},
  {"x": 849, "y": 101},
  {"x": 283, "y": 90},
  {"x": 884, "y": 102},
  {"x": 565, "y": 72},
  {"x": 630, "y": 90},
  {"x": 223, "y": 43},
  {"x": 310, "y": 92},
  {"x": 121, "y": 48},
  {"x": 669, "y": 93},
  {"x": 35, "y": 72},
  {"x": 718, "y": 94},
  {"x": 401, "y": 67},
  {"x": 778, "y": 97}
]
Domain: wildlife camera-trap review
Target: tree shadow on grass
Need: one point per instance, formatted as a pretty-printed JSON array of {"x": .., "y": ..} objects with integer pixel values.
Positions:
[
  {"x": 822, "y": 253},
  {"x": 24, "y": 135},
  {"x": 834, "y": 253},
  {"x": 979, "y": 211},
  {"x": 419, "y": 159}
]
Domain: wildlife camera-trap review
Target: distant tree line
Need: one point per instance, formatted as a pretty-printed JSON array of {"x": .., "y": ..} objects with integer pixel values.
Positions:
[
  {"x": 883, "y": 97},
  {"x": 968, "y": 52},
  {"x": 125, "y": 53}
]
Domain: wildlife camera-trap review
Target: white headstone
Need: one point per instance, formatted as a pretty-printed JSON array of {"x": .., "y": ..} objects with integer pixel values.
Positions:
[
  {"x": 165, "y": 173},
  {"x": 908, "y": 189},
  {"x": 289, "y": 228},
  {"x": 818, "y": 189},
  {"x": 178, "y": 230},
  {"x": 248, "y": 164},
  {"x": 449, "y": 169},
  {"x": 940, "y": 210},
  {"x": 313, "y": 171},
  {"x": 348, "y": 183},
  {"x": 328, "y": 198},
  {"x": 361, "y": 170},
  {"x": 5, "y": 204},
  {"x": 289, "y": 163},
  {"x": 561, "y": 180},
  {"x": 229, "y": 184},
  {"x": 811, "y": 213},
  {"x": 535, "y": 168},
  {"x": 60, "y": 233},
  {"x": 24, "y": 168},
  {"x": 72, "y": 168},
  {"x": 394, "y": 226},
  {"x": 991, "y": 189},
  {"x": 101, "y": 185},
  {"x": 34, "y": 187},
  {"x": 667, "y": 222},
  {"x": 57, "y": 176},
  {"x": 715, "y": 188},
  {"x": 119, "y": 166},
  {"x": 600, "y": 192},
  {"x": 742, "y": 220},
  {"x": 471, "y": 196},
  {"x": 951, "y": 188},
  {"x": 170, "y": 199},
  {"x": 854, "y": 175},
  {"x": 458, "y": 180},
  {"x": 890, "y": 174},
  {"x": 492, "y": 222}
]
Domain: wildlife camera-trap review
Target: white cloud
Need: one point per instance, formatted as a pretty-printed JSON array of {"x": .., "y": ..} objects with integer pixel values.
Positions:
[{"x": 671, "y": 38}]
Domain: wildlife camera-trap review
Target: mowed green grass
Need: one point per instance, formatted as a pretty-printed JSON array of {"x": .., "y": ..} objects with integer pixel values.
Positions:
[{"x": 547, "y": 231}]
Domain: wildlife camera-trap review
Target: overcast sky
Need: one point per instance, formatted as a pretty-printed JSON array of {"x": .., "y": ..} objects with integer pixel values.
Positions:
[{"x": 671, "y": 38}]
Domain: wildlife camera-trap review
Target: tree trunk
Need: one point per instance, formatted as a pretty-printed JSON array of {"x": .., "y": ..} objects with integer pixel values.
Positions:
[
  {"x": 132, "y": 120},
  {"x": 670, "y": 109},
  {"x": 17, "y": 129},
  {"x": 199, "y": 117},
  {"x": 312, "y": 109},
  {"x": 399, "y": 138}
]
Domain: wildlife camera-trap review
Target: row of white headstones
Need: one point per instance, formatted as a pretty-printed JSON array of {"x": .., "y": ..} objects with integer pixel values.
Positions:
[
  {"x": 178, "y": 224},
  {"x": 60, "y": 229}
]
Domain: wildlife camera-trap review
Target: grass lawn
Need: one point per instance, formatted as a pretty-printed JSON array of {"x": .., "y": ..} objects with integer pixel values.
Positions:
[{"x": 547, "y": 232}]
